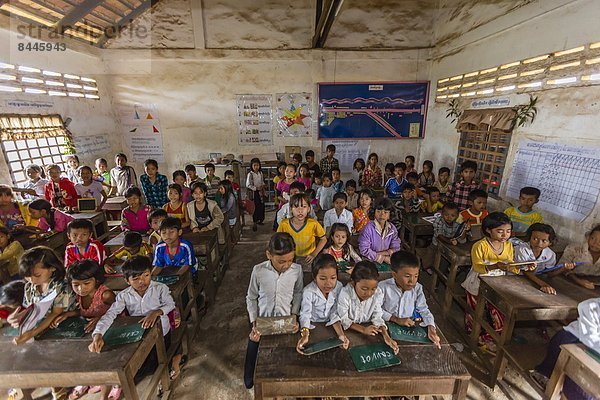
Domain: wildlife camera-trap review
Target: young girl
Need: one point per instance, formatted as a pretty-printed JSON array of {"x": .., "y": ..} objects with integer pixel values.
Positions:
[
  {"x": 36, "y": 182},
  {"x": 283, "y": 186},
  {"x": 101, "y": 174},
  {"x": 490, "y": 255},
  {"x": 93, "y": 300},
  {"x": 90, "y": 188},
  {"x": 60, "y": 192},
  {"x": 427, "y": 177},
  {"x": 339, "y": 247},
  {"x": 134, "y": 217},
  {"x": 587, "y": 253},
  {"x": 360, "y": 302},
  {"x": 372, "y": 174},
  {"x": 308, "y": 234},
  {"x": 12, "y": 213},
  {"x": 275, "y": 290},
  {"x": 379, "y": 239},
  {"x": 10, "y": 252},
  {"x": 179, "y": 177},
  {"x": 361, "y": 213},
  {"x": 204, "y": 214},
  {"x": 319, "y": 301},
  {"x": 175, "y": 207},
  {"x": 49, "y": 218},
  {"x": 122, "y": 176},
  {"x": 154, "y": 185},
  {"x": 227, "y": 202},
  {"x": 304, "y": 176},
  {"x": 255, "y": 184},
  {"x": 72, "y": 168}
]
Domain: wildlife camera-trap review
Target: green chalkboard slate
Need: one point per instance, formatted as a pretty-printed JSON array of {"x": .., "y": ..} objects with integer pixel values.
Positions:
[
  {"x": 70, "y": 328},
  {"x": 595, "y": 355},
  {"x": 383, "y": 267},
  {"x": 343, "y": 266},
  {"x": 323, "y": 345},
  {"x": 166, "y": 279},
  {"x": 124, "y": 334},
  {"x": 10, "y": 331},
  {"x": 373, "y": 356},
  {"x": 416, "y": 334}
]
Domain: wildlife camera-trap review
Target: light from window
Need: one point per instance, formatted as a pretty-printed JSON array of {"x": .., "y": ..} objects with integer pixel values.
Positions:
[{"x": 43, "y": 151}]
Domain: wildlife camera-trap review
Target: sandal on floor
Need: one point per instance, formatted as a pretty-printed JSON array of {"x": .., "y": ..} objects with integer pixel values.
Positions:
[
  {"x": 115, "y": 393},
  {"x": 78, "y": 392},
  {"x": 95, "y": 389}
]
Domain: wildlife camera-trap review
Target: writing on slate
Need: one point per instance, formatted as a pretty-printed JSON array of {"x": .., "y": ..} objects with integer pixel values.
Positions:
[{"x": 377, "y": 355}]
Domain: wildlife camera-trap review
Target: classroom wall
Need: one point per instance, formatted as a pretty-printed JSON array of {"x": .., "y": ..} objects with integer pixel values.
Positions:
[
  {"x": 566, "y": 115},
  {"x": 195, "y": 91}
]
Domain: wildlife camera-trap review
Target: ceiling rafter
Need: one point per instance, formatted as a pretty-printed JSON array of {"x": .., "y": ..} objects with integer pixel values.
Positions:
[
  {"x": 325, "y": 15},
  {"x": 77, "y": 14},
  {"x": 128, "y": 19}
]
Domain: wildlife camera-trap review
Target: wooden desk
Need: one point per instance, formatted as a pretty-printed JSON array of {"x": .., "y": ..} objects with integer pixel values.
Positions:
[
  {"x": 98, "y": 219},
  {"x": 457, "y": 256},
  {"x": 206, "y": 244},
  {"x": 578, "y": 365},
  {"x": 520, "y": 300},
  {"x": 66, "y": 363},
  {"x": 117, "y": 242},
  {"x": 424, "y": 370},
  {"x": 56, "y": 241},
  {"x": 414, "y": 225},
  {"x": 114, "y": 206}
]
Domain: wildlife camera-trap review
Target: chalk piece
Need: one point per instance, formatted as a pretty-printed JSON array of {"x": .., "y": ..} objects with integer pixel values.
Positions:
[
  {"x": 124, "y": 334},
  {"x": 323, "y": 345},
  {"x": 70, "y": 328},
  {"x": 416, "y": 334},
  {"x": 373, "y": 356},
  {"x": 276, "y": 325}
]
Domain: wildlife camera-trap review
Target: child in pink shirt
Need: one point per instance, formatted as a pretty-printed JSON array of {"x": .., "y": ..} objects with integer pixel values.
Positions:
[{"x": 135, "y": 216}]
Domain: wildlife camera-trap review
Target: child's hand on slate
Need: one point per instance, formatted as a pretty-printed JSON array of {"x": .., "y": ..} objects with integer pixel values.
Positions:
[
  {"x": 405, "y": 322},
  {"x": 345, "y": 342},
  {"x": 97, "y": 343},
  {"x": 57, "y": 321},
  {"x": 433, "y": 336},
  {"x": 149, "y": 320},
  {"x": 296, "y": 328},
  {"x": 392, "y": 343},
  {"x": 91, "y": 325},
  {"x": 254, "y": 334},
  {"x": 301, "y": 343},
  {"x": 371, "y": 330}
]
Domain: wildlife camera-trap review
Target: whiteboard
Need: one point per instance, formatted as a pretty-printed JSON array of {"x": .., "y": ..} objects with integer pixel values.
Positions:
[{"x": 568, "y": 176}]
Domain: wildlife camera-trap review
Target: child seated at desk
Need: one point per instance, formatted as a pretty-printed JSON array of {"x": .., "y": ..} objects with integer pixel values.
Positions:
[
  {"x": 319, "y": 301},
  {"x": 326, "y": 192},
  {"x": 410, "y": 199},
  {"x": 284, "y": 211},
  {"x": 82, "y": 245},
  {"x": 476, "y": 212},
  {"x": 211, "y": 180},
  {"x": 360, "y": 302},
  {"x": 338, "y": 214},
  {"x": 13, "y": 214},
  {"x": 227, "y": 202},
  {"x": 432, "y": 203},
  {"x": 134, "y": 217},
  {"x": 446, "y": 228},
  {"x": 155, "y": 218},
  {"x": 154, "y": 185},
  {"x": 427, "y": 177},
  {"x": 205, "y": 214},
  {"x": 275, "y": 290},
  {"x": 192, "y": 175},
  {"x": 304, "y": 175},
  {"x": 395, "y": 185},
  {"x": 443, "y": 182},
  {"x": 336, "y": 182},
  {"x": 379, "y": 239},
  {"x": 523, "y": 216},
  {"x": 10, "y": 252},
  {"x": 48, "y": 217},
  {"x": 173, "y": 251},
  {"x": 403, "y": 295},
  {"x": 122, "y": 176},
  {"x": 60, "y": 192},
  {"x": 588, "y": 255},
  {"x": 133, "y": 245},
  {"x": 143, "y": 298},
  {"x": 87, "y": 187},
  {"x": 490, "y": 256},
  {"x": 459, "y": 191},
  {"x": 360, "y": 214},
  {"x": 413, "y": 179},
  {"x": 35, "y": 184},
  {"x": 176, "y": 207},
  {"x": 339, "y": 247}
]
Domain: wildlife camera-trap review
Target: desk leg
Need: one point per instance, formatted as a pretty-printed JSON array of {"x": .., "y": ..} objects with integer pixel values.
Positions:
[
  {"x": 460, "y": 391},
  {"x": 557, "y": 379},
  {"x": 500, "y": 361},
  {"x": 413, "y": 240},
  {"x": 128, "y": 386},
  {"x": 449, "y": 293},
  {"x": 477, "y": 318},
  {"x": 258, "y": 395},
  {"x": 163, "y": 363},
  {"x": 436, "y": 270}
]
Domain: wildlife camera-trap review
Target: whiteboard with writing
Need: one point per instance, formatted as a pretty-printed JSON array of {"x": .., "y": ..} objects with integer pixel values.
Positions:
[
  {"x": 92, "y": 146},
  {"x": 568, "y": 176}
]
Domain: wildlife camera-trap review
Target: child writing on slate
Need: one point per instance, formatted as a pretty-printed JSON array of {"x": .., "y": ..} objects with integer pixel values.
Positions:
[
  {"x": 49, "y": 218},
  {"x": 587, "y": 255},
  {"x": 173, "y": 251},
  {"x": 82, "y": 245},
  {"x": 339, "y": 247},
  {"x": 360, "y": 302},
  {"x": 308, "y": 234},
  {"x": 10, "y": 252},
  {"x": 319, "y": 301},
  {"x": 275, "y": 290},
  {"x": 379, "y": 239},
  {"x": 93, "y": 300},
  {"x": 361, "y": 213},
  {"x": 134, "y": 217},
  {"x": 176, "y": 207},
  {"x": 403, "y": 295},
  {"x": 133, "y": 245}
]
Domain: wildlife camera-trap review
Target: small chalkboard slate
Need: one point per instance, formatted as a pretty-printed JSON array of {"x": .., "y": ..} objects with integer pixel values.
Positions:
[
  {"x": 276, "y": 325},
  {"x": 166, "y": 279},
  {"x": 373, "y": 356},
  {"x": 323, "y": 345},
  {"x": 70, "y": 328},
  {"x": 383, "y": 267},
  {"x": 343, "y": 266},
  {"x": 416, "y": 334},
  {"x": 10, "y": 331},
  {"x": 124, "y": 334}
]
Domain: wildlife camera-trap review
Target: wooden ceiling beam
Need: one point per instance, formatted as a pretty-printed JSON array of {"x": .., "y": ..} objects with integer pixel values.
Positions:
[
  {"x": 127, "y": 19},
  {"x": 326, "y": 16},
  {"x": 77, "y": 13}
]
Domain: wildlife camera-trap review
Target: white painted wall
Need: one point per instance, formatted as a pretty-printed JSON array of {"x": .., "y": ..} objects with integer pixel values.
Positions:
[{"x": 569, "y": 115}]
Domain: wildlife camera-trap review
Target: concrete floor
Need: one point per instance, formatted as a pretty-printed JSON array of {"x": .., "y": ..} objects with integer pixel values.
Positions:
[{"x": 214, "y": 370}]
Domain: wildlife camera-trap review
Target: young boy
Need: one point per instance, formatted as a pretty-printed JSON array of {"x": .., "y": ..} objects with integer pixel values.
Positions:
[
  {"x": 317, "y": 181},
  {"x": 329, "y": 162},
  {"x": 442, "y": 182},
  {"x": 173, "y": 251},
  {"x": 297, "y": 159},
  {"x": 432, "y": 201},
  {"x": 230, "y": 176},
  {"x": 155, "y": 218},
  {"x": 445, "y": 227},
  {"x": 336, "y": 181},
  {"x": 211, "y": 180},
  {"x": 313, "y": 167},
  {"x": 338, "y": 213},
  {"x": 192, "y": 176},
  {"x": 413, "y": 179},
  {"x": 412, "y": 204},
  {"x": 154, "y": 185},
  {"x": 133, "y": 245},
  {"x": 476, "y": 212},
  {"x": 410, "y": 164},
  {"x": 459, "y": 191},
  {"x": 395, "y": 186},
  {"x": 82, "y": 246},
  {"x": 403, "y": 296},
  {"x": 352, "y": 195},
  {"x": 284, "y": 211},
  {"x": 326, "y": 192},
  {"x": 524, "y": 216},
  {"x": 143, "y": 298}
]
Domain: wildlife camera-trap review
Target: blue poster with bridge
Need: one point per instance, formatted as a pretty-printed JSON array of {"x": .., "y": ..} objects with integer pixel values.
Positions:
[{"x": 383, "y": 110}]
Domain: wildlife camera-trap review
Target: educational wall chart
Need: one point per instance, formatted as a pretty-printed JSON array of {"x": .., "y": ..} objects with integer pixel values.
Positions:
[
  {"x": 568, "y": 176},
  {"x": 346, "y": 151},
  {"x": 293, "y": 114},
  {"x": 142, "y": 131},
  {"x": 92, "y": 146},
  {"x": 255, "y": 119},
  {"x": 386, "y": 110}
]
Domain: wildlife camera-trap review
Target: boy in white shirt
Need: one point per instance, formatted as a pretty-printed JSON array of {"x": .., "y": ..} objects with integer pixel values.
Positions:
[
  {"x": 325, "y": 193},
  {"x": 338, "y": 213}
]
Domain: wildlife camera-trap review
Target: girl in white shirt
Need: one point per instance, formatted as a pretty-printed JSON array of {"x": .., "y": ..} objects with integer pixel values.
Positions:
[
  {"x": 37, "y": 181},
  {"x": 255, "y": 184},
  {"x": 360, "y": 302},
  {"x": 319, "y": 301}
]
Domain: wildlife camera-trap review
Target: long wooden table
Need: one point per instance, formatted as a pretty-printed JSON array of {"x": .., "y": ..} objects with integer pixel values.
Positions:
[
  {"x": 55, "y": 240},
  {"x": 520, "y": 300},
  {"x": 414, "y": 225},
  {"x": 424, "y": 370},
  {"x": 578, "y": 365},
  {"x": 68, "y": 362}
]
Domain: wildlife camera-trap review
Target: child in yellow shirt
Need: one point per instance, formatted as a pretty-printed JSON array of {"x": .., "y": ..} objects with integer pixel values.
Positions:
[
  {"x": 133, "y": 245},
  {"x": 524, "y": 216},
  {"x": 432, "y": 203}
]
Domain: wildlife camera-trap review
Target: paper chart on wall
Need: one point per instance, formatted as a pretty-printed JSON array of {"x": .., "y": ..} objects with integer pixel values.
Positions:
[
  {"x": 346, "y": 151},
  {"x": 142, "y": 131},
  {"x": 92, "y": 146},
  {"x": 255, "y": 119},
  {"x": 568, "y": 176},
  {"x": 293, "y": 114}
]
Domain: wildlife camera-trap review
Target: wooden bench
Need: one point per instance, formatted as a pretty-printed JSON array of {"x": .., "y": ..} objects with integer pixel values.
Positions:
[
  {"x": 578, "y": 365},
  {"x": 457, "y": 256},
  {"x": 54, "y": 240}
]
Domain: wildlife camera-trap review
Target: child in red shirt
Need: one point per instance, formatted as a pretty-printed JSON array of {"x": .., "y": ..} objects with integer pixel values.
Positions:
[
  {"x": 82, "y": 245},
  {"x": 60, "y": 192}
]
